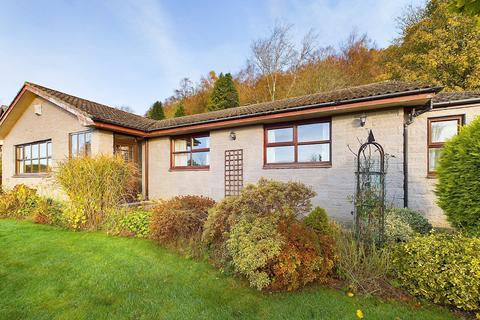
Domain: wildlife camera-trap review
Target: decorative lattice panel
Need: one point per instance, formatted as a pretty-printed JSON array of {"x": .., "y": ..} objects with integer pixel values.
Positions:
[{"x": 233, "y": 172}]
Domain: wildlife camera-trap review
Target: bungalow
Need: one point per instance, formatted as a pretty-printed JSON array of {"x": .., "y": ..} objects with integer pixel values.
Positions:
[{"x": 307, "y": 139}]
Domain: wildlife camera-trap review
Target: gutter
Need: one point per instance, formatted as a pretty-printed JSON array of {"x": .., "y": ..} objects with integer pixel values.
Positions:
[
  {"x": 411, "y": 118},
  {"x": 456, "y": 102}
]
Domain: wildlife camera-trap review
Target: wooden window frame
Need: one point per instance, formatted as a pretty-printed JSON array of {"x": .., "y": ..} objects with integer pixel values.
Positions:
[
  {"x": 438, "y": 145},
  {"x": 70, "y": 135},
  {"x": 48, "y": 158},
  {"x": 191, "y": 152},
  {"x": 295, "y": 164}
]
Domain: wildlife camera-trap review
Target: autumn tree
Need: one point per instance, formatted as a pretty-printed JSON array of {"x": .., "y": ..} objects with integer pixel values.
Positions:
[
  {"x": 180, "y": 110},
  {"x": 224, "y": 94},
  {"x": 438, "y": 46},
  {"x": 468, "y": 7},
  {"x": 155, "y": 112}
]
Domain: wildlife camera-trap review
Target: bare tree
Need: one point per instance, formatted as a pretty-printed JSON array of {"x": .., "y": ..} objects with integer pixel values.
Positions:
[
  {"x": 125, "y": 108},
  {"x": 277, "y": 53},
  {"x": 185, "y": 89}
]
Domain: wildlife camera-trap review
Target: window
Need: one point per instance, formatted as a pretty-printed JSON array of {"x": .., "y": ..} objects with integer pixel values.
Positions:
[
  {"x": 190, "y": 152},
  {"x": 304, "y": 144},
  {"x": 439, "y": 131},
  {"x": 33, "y": 158},
  {"x": 80, "y": 144}
]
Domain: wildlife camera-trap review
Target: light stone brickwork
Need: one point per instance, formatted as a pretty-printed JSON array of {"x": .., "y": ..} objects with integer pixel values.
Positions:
[
  {"x": 334, "y": 186},
  {"x": 54, "y": 123},
  {"x": 421, "y": 188}
]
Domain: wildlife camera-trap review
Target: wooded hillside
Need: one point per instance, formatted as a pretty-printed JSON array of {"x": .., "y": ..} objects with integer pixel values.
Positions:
[{"x": 435, "y": 44}]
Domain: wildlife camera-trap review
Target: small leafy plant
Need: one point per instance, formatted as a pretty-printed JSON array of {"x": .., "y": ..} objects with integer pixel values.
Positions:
[
  {"x": 136, "y": 222},
  {"x": 19, "y": 202},
  {"x": 49, "y": 211}
]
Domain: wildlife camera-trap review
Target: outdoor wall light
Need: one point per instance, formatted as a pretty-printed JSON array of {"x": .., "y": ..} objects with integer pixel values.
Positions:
[
  {"x": 362, "y": 119},
  {"x": 233, "y": 135}
]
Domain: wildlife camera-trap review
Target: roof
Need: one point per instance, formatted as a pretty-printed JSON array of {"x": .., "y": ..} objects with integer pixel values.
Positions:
[
  {"x": 101, "y": 113},
  {"x": 444, "y": 98},
  {"x": 97, "y": 111},
  {"x": 352, "y": 94}
]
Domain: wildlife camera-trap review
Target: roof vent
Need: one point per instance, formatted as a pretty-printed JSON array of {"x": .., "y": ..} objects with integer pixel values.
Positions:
[{"x": 37, "y": 109}]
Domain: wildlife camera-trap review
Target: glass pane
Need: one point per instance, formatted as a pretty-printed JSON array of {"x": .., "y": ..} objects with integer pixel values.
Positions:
[
  {"x": 280, "y": 154},
  {"x": 49, "y": 149},
  {"x": 444, "y": 130},
  {"x": 181, "y": 159},
  {"x": 34, "y": 151},
  {"x": 201, "y": 143},
  {"x": 19, "y": 153},
  {"x": 43, "y": 165},
  {"x": 19, "y": 167},
  {"x": 280, "y": 135},
  {"x": 35, "y": 164},
  {"x": 43, "y": 150},
  {"x": 88, "y": 148},
  {"x": 200, "y": 158},
  {"x": 433, "y": 156},
  {"x": 74, "y": 145},
  {"x": 314, "y": 132},
  {"x": 314, "y": 152},
  {"x": 88, "y": 144},
  {"x": 27, "y": 168},
  {"x": 27, "y": 150},
  {"x": 182, "y": 144},
  {"x": 81, "y": 145}
]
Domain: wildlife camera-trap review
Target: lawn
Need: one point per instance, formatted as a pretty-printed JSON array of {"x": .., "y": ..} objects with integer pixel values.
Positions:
[{"x": 48, "y": 273}]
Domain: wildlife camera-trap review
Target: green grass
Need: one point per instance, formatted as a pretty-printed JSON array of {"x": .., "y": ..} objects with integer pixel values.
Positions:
[{"x": 48, "y": 273}]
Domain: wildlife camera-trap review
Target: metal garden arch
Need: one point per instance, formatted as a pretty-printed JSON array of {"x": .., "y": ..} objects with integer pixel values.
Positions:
[{"x": 370, "y": 192}]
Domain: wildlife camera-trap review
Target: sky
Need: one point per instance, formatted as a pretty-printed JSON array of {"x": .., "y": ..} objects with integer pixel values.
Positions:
[{"x": 134, "y": 52}]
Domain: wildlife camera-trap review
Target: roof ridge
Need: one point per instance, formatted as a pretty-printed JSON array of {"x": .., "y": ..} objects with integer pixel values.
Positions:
[{"x": 87, "y": 100}]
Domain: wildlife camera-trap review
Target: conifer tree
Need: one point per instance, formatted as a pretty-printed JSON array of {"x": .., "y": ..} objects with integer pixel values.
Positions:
[
  {"x": 224, "y": 94},
  {"x": 180, "y": 111},
  {"x": 156, "y": 111}
]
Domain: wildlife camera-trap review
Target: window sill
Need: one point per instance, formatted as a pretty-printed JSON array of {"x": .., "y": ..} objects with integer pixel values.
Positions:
[
  {"x": 297, "y": 165},
  {"x": 32, "y": 175},
  {"x": 432, "y": 175},
  {"x": 190, "y": 169}
]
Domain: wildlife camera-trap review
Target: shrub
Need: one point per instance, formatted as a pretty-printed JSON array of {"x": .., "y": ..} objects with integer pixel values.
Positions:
[
  {"x": 220, "y": 220},
  {"x": 48, "y": 211},
  {"x": 18, "y": 203},
  {"x": 254, "y": 244},
  {"x": 305, "y": 257},
  {"x": 365, "y": 268},
  {"x": 94, "y": 186},
  {"x": 128, "y": 222},
  {"x": 178, "y": 223},
  {"x": 396, "y": 229},
  {"x": 136, "y": 223},
  {"x": 318, "y": 221},
  {"x": 258, "y": 233},
  {"x": 458, "y": 187},
  {"x": 286, "y": 198},
  {"x": 444, "y": 268},
  {"x": 413, "y": 218}
]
